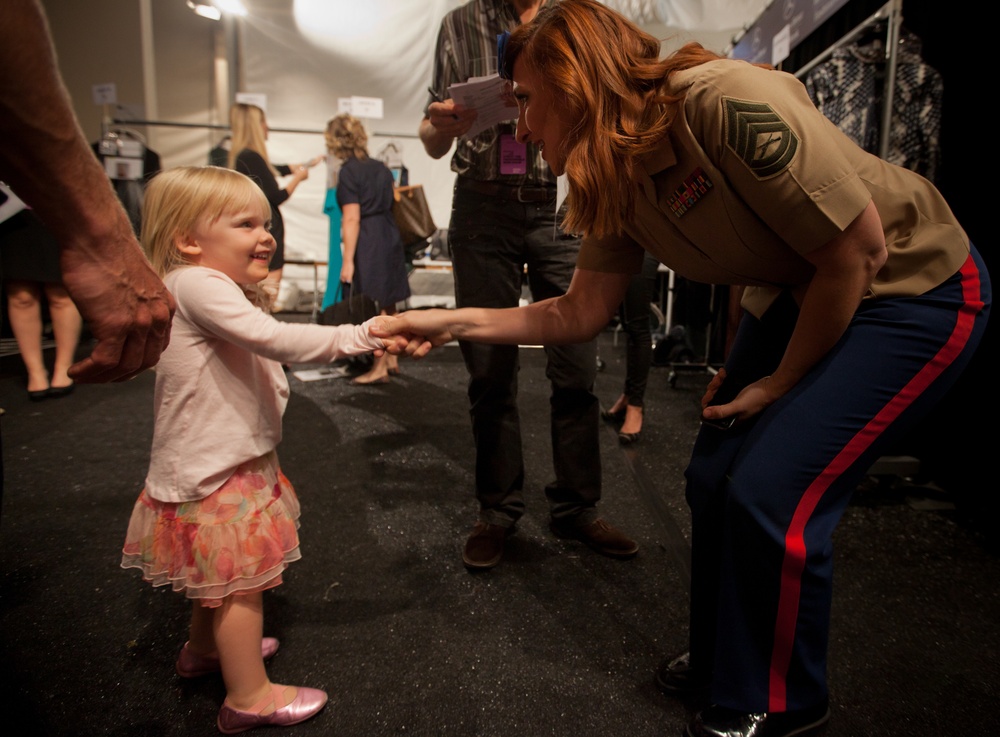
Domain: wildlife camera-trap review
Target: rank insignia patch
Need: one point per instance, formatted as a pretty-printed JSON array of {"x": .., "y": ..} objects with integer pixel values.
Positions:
[
  {"x": 759, "y": 137},
  {"x": 687, "y": 195}
]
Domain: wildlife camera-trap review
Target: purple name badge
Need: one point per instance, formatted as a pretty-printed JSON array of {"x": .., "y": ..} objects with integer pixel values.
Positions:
[{"x": 513, "y": 155}]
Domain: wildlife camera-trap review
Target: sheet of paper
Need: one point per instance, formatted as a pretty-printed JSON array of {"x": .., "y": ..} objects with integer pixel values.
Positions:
[
  {"x": 327, "y": 372},
  {"x": 485, "y": 95}
]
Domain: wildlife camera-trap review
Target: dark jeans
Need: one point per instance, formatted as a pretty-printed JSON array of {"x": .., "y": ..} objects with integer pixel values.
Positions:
[
  {"x": 492, "y": 240},
  {"x": 634, "y": 314}
]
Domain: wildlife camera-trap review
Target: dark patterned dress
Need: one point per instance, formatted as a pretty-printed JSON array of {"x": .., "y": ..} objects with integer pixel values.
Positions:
[{"x": 379, "y": 258}]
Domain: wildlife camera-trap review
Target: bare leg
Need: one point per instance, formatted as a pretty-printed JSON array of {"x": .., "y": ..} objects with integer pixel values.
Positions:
[
  {"x": 201, "y": 636},
  {"x": 66, "y": 326},
  {"x": 633, "y": 420},
  {"x": 238, "y": 628},
  {"x": 392, "y": 361},
  {"x": 25, "y": 308},
  {"x": 379, "y": 372},
  {"x": 619, "y": 404},
  {"x": 272, "y": 285}
]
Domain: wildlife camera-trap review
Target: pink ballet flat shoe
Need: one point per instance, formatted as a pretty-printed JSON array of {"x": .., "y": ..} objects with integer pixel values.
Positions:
[
  {"x": 190, "y": 665},
  {"x": 308, "y": 702}
]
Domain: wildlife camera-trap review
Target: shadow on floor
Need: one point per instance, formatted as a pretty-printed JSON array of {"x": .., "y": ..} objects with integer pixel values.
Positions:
[{"x": 381, "y": 613}]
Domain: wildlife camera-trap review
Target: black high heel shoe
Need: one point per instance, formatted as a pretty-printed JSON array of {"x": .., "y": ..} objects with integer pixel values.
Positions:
[
  {"x": 609, "y": 416},
  {"x": 628, "y": 438}
]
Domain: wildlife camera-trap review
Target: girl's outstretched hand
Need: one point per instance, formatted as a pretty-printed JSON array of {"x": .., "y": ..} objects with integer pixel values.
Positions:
[{"x": 413, "y": 333}]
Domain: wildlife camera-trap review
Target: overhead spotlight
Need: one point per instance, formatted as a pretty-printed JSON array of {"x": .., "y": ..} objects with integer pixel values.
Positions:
[
  {"x": 231, "y": 7},
  {"x": 213, "y": 9},
  {"x": 205, "y": 11}
]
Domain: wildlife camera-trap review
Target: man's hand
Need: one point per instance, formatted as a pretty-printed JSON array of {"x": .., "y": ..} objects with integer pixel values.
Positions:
[
  {"x": 442, "y": 124},
  {"x": 126, "y": 306}
]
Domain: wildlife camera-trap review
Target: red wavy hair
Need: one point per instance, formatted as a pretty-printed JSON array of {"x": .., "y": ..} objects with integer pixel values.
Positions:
[{"x": 610, "y": 79}]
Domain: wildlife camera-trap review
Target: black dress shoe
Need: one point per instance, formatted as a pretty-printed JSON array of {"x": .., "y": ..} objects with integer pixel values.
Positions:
[
  {"x": 61, "y": 391},
  {"x": 39, "y": 395},
  {"x": 718, "y": 721},
  {"x": 484, "y": 547},
  {"x": 676, "y": 677}
]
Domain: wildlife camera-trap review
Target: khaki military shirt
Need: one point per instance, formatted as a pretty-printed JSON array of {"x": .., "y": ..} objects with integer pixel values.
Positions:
[{"x": 751, "y": 177}]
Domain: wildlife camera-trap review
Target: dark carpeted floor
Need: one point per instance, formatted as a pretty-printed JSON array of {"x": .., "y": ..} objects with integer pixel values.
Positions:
[{"x": 381, "y": 613}]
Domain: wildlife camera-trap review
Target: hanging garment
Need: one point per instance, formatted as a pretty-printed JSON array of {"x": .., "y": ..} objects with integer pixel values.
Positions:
[
  {"x": 392, "y": 157},
  {"x": 219, "y": 154},
  {"x": 849, "y": 89},
  {"x": 130, "y": 164},
  {"x": 335, "y": 261}
]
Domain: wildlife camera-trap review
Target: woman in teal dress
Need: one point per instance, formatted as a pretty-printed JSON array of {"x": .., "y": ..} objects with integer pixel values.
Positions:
[{"x": 335, "y": 260}]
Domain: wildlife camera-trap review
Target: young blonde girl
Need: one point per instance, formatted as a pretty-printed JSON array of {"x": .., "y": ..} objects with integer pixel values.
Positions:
[{"x": 217, "y": 519}]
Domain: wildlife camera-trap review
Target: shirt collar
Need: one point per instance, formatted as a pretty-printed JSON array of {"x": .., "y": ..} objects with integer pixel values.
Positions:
[{"x": 660, "y": 158}]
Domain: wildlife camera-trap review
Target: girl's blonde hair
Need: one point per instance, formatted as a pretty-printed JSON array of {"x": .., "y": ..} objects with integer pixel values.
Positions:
[
  {"x": 246, "y": 126},
  {"x": 610, "y": 81},
  {"x": 346, "y": 137},
  {"x": 180, "y": 199}
]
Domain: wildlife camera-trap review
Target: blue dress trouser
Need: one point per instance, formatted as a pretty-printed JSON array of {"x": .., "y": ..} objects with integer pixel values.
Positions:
[
  {"x": 492, "y": 240},
  {"x": 766, "y": 495}
]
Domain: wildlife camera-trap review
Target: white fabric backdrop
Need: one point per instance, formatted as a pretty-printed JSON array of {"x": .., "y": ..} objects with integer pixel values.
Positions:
[{"x": 384, "y": 49}]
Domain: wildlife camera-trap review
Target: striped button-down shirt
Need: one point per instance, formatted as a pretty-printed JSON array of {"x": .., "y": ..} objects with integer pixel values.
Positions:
[{"x": 467, "y": 47}]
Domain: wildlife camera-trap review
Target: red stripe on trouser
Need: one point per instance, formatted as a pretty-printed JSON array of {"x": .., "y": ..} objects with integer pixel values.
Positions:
[{"x": 795, "y": 546}]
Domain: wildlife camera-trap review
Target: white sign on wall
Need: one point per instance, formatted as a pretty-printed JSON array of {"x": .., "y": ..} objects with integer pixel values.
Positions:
[
  {"x": 361, "y": 107},
  {"x": 253, "y": 98},
  {"x": 105, "y": 94}
]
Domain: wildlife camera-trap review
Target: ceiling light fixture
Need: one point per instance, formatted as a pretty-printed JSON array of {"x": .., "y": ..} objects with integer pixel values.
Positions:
[
  {"x": 214, "y": 9},
  {"x": 205, "y": 11},
  {"x": 231, "y": 7}
]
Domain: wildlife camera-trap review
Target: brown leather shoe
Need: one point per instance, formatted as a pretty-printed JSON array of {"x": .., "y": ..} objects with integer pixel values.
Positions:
[
  {"x": 484, "y": 548},
  {"x": 603, "y": 537}
]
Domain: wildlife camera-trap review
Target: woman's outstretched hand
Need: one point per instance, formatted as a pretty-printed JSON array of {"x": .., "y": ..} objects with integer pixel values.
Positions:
[
  {"x": 415, "y": 332},
  {"x": 753, "y": 399}
]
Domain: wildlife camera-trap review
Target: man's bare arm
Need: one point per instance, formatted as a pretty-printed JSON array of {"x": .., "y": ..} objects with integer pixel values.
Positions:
[{"x": 46, "y": 160}]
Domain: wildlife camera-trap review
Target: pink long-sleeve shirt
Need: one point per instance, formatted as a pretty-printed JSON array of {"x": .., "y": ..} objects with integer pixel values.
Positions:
[{"x": 220, "y": 390}]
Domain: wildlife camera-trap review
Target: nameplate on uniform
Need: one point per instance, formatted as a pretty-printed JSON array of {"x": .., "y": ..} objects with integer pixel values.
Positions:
[{"x": 687, "y": 195}]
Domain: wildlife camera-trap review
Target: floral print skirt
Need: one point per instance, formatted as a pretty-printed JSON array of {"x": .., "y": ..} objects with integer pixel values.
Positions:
[{"x": 239, "y": 539}]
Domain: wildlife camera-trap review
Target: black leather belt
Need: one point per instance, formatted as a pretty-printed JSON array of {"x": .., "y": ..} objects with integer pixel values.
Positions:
[{"x": 517, "y": 193}]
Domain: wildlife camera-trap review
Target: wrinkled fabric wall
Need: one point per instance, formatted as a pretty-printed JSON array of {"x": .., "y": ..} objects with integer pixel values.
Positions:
[
  {"x": 371, "y": 48},
  {"x": 304, "y": 70}
]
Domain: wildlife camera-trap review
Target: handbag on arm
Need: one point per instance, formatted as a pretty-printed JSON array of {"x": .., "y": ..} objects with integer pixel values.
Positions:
[
  {"x": 412, "y": 214},
  {"x": 352, "y": 309}
]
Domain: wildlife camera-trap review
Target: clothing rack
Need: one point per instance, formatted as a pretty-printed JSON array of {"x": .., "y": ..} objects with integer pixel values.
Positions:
[
  {"x": 754, "y": 43},
  {"x": 273, "y": 129},
  {"x": 111, "y": 130},
  {"x": 892, "y": 15},
  {"x": 667, "y": 288}
]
